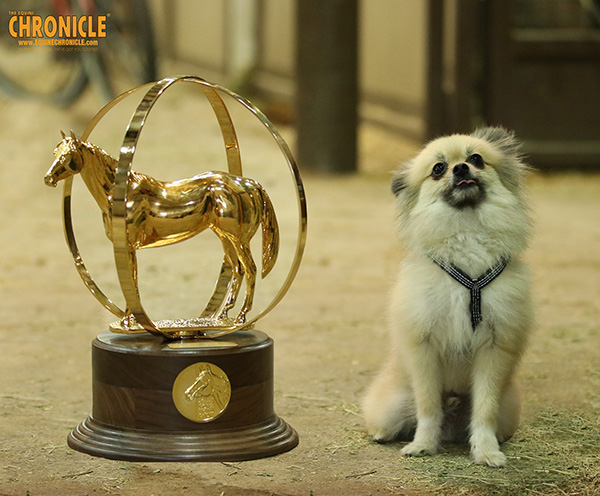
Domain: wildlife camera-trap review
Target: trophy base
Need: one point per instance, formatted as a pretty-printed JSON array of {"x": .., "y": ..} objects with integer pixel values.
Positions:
[
  {"x": 257, "y": 441},
  {"x": 205, "y": 400}
]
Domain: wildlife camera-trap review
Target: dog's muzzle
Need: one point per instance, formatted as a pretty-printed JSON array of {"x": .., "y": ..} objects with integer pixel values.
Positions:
[
  {"x": 465, "y": 189},
  {"x": 462, "y": 176}
]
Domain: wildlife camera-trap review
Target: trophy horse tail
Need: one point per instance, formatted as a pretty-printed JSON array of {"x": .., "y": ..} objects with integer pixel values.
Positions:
[{"x": 270, "y": 234}]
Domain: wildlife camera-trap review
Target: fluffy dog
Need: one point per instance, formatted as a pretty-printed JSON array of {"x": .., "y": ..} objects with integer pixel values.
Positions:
[{"x": 461, "y": 310}]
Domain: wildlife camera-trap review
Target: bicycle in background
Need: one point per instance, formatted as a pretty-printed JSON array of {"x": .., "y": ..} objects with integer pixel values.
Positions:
[{"x": 125, "y": 57}]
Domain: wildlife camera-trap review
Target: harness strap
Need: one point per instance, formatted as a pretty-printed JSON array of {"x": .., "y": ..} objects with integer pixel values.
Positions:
[{"x": 473, "y": 285}]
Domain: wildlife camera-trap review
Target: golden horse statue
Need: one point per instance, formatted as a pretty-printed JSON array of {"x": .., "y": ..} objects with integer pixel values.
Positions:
[{"x": 162, "y": 213}]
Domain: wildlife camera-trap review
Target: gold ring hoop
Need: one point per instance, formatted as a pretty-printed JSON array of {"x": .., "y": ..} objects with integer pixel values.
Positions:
[{"x": 127, "y": 279}]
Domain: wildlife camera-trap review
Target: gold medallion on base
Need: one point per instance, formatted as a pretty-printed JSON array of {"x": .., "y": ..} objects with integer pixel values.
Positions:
[{"x": 201, "y": 392}]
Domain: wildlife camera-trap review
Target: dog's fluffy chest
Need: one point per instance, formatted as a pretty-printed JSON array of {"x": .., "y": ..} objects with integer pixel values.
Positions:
[{"x": 429, "y": 305}]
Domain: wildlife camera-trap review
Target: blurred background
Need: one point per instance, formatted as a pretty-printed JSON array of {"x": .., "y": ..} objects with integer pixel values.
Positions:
[
  {"x": 424, "y": 67},
  {"x": 417, "y": 68}
]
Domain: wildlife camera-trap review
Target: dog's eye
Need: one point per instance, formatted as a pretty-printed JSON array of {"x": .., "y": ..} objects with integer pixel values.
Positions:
[
  {"x": 476, "y": 160},
  {"x": 438, "y": 170}
]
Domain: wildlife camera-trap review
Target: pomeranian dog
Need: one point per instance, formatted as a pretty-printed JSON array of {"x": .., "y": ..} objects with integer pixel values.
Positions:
[{"x": 461, "y": 310}]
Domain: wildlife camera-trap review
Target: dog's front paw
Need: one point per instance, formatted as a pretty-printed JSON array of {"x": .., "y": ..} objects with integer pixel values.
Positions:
[
  {"x": 382, "y": 436},
  {"x": 491, "y": 458},
  {"x": 419, "y": 449}
]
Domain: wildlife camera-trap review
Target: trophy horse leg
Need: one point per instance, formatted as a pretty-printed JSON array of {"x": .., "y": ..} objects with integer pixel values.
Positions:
[
  {"x": 229, "y": 283},
  {"x": 223, "y": 285},
  {"x": 249, "y": 268},
  {"x": 219, "y": 292},
  {"x": 233, "y": 289},
  {"x": 128, "y": 321}
]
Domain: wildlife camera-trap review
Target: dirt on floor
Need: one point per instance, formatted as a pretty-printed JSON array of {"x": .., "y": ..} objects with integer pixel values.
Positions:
[{"x": 329, "y": 330}]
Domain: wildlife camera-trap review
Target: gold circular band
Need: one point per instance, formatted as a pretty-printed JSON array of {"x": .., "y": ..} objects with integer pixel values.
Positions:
[
  {"x": 89, "y": 282},
  {"x": 126, "y": 274}
]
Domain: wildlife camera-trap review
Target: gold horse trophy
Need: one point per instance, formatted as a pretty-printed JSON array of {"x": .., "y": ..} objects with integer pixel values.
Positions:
[{"x": 198, "y": 389}]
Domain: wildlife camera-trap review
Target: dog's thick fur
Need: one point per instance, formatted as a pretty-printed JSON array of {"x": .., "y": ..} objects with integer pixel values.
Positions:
[{"x": 443, "y": 379}]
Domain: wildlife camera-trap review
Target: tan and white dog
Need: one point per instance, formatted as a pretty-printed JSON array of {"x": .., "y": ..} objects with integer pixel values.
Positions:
[{"x": 461, "y": 310}]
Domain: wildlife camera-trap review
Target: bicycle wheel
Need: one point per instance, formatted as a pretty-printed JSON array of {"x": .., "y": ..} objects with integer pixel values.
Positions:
[
  {"x": 43, "y": 72},
  {"x": 127, "y": 56}
]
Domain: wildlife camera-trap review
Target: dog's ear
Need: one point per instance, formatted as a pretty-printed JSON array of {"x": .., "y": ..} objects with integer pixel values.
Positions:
[
  {"x": 501, "y": 137},
  {"x": 512, "y": 168},
  {"x": 398, "y": 184},
  {"x": 400, "y": 180},
  {"x": 404, "y": 190}
]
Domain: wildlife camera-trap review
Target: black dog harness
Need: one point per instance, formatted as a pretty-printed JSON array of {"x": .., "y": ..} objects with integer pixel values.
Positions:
[{"x": 473, "y": 285}]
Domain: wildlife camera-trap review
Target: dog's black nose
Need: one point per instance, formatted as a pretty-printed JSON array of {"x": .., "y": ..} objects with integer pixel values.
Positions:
[{"x": 460, "y": 169}]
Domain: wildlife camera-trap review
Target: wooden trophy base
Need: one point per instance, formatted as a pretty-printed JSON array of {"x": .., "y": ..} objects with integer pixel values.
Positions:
[{"x": 200, "y": 400}]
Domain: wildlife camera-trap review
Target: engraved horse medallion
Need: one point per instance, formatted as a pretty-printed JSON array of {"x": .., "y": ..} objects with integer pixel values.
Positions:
[{"x": 201, "y": 392}]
